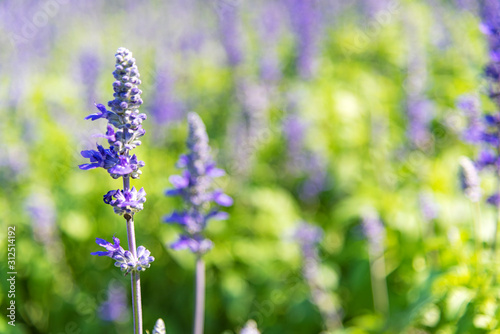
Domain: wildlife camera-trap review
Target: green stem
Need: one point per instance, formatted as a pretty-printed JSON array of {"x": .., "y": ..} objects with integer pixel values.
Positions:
[
  {"x": 200, "y": 296},
  {"x": 134, "y": 277},
  {"x": 379, "y": 283}
]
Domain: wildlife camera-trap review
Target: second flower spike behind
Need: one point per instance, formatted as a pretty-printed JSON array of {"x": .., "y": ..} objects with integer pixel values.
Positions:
[{"x": 195, "y": 185}]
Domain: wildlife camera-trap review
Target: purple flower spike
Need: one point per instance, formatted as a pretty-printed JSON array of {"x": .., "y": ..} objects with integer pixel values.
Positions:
[
  {"x": 195, "y": 187},
  {"x": 124, "y": 122}
]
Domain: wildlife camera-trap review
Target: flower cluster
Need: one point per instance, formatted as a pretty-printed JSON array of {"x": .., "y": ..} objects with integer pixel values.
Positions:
[
  {"x": 195, "y": 187},
  {"x": 126, "y": 201},
  {"x": 125, "y": 260},
  {"x": 123, "y": 132}
]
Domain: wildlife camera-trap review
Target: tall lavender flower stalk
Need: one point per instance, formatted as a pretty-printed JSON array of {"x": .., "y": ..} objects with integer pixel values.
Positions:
[
  {"x": 419, "y": 109},
  {"x": 374, "y": 231},
  {"x": 486, "y": 130},
  {"x": 123, "y": 132},
  {"x": 490, "y": 13},
  {"x": 230, "y": 31},
  {"x": 201, "y": 205},
  {"x": 304, "y": 20}
]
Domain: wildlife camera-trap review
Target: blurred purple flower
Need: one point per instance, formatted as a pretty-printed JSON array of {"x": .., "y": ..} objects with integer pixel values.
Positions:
[
  {"x": 302, "y": 160},
  {"x": 471, "y": 108},
  {"x": 43, "y": 217},
  {"x": 195, "y": 187},
  {"x": 304, "y": 20},
  {"x": 294, "y": 128},
  {"x": 428, "y": 206},
  {"x": 420, "y": 113},
  {"x": 164, "y": 107},
  {"x": 251, "y": 127},
  {"x": 269, "y": 23},
  {"x": 494, "y": 199},
  {"x": 374, "y": 7},
  {"x": 115, "y": 307},
  {"x": 308, "y": 236},
  {"x": 490, "y": 26},
  {"x": 196, "y": 244},
  {"x": 231, "y": 35},
  {"x": 89, "y": 69},
  {"x": 374, "y": 230},
  {"x": 317, "y": 178}
]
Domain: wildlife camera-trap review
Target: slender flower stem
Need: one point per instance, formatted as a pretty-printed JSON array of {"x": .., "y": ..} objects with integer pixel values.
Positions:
[
  {"x": 379, "y": 283},
  {"x": 135, "y": 277},
  {"x": 200, "y": 296}
]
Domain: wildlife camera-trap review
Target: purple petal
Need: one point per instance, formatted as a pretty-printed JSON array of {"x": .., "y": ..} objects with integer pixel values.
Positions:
[
  {"x": 176, "y": 217},
  {"x": 88, "y": 153},
  {"x": 101, "y": 107},
  {"x": 214, "y": 172},
  {"x": 102, "y": 242},
  {"x": 182, "y": 243},
  {"x": 178, "y": 181},
  {"x": 116, "y": 241},
  {"x": 173, "y": 192},
  {"x": 222, "y": 199},
  {"x": 183, "y": 161},
  {"x": 494, "y": 200},
  {"x": 217, "y": 215},
  {"x": 88, "y": 166},
  {"x": 100, "y": 253}
]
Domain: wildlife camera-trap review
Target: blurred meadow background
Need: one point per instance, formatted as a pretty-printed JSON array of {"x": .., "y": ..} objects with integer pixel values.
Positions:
[{"x": 342, "y": 114}]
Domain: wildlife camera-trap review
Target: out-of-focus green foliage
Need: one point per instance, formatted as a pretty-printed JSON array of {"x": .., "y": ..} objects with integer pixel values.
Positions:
[{"x": 355, "y": 108}]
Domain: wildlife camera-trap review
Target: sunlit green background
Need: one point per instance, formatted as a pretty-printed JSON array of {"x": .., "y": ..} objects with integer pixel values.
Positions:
[{"x": 353, "y": 108}]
